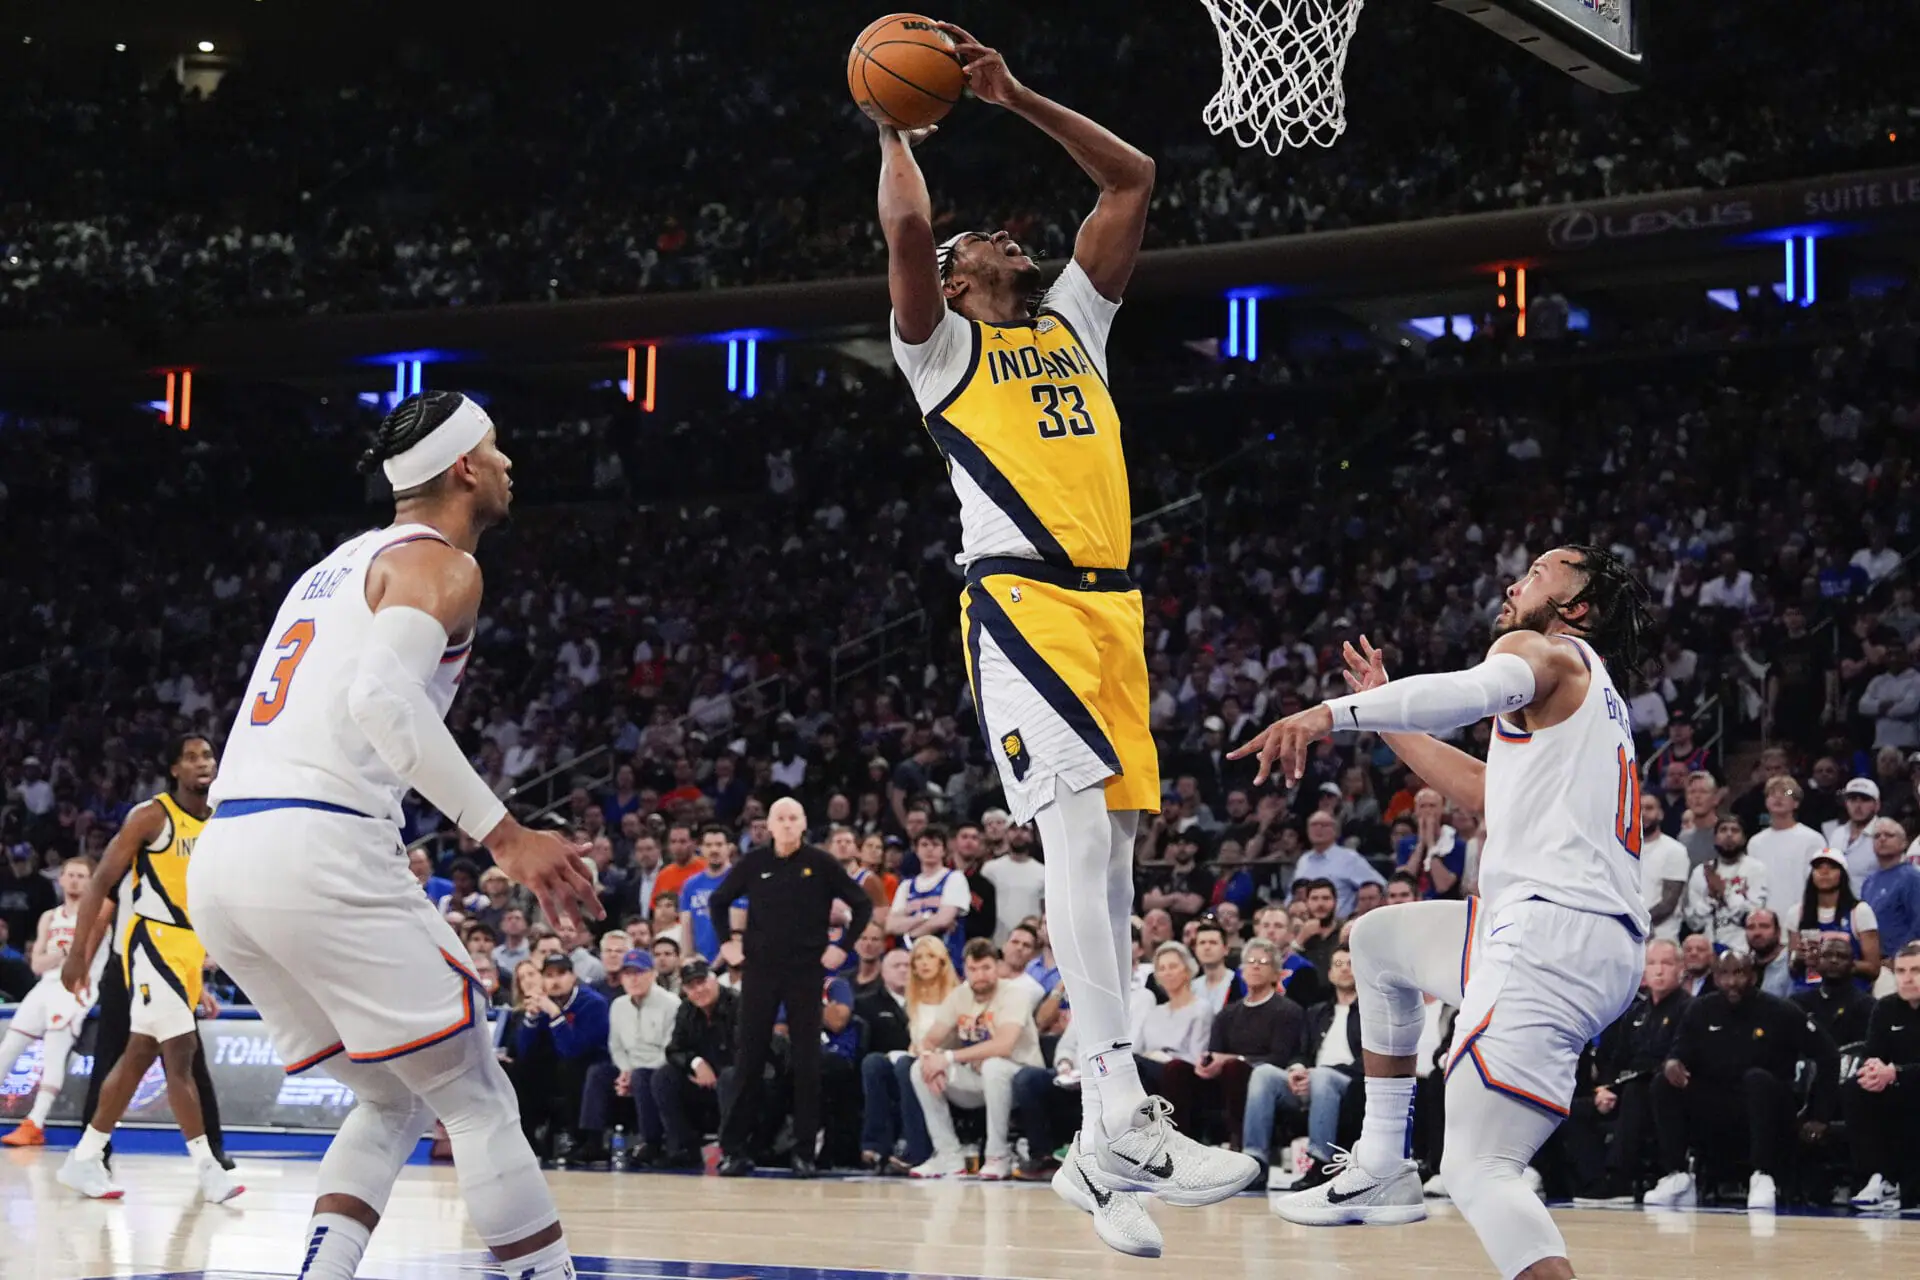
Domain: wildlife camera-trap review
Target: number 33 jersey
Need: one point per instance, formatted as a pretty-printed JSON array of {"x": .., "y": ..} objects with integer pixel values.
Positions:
[
  {"x": 1563, "y": 808},
  {"x": 1030, "y": 436},
  {"x": 293, "y": 738}
]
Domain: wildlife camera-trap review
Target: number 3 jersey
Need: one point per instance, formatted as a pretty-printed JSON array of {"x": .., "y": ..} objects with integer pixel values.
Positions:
[
  {"x": 1030, "y": 436},
  {"x": 1563, "y": 808},
  {"x": 293, "y": 738}
]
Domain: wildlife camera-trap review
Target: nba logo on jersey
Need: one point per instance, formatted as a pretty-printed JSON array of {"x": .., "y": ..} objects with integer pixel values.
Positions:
[
  {"x": 1045, "y": 324},
  {"x": 1016, "y": 748}
]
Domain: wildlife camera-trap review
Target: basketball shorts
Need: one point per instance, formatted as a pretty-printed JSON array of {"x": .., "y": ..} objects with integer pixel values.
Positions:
[
  {"x": 48, "y": 1009},
  {"x": 314, "y": 914},
  {"x": 164, "y": 979},
  {"x": 1057, "y": 661},
  {"x": 1540, "y": 981}
]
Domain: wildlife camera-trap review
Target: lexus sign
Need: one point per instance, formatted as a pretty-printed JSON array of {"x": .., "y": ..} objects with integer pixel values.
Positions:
[{"x": 1584, "y": 228}]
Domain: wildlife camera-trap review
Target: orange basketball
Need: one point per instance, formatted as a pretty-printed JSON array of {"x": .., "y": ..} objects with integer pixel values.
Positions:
[{"x": 903, "y": 71}]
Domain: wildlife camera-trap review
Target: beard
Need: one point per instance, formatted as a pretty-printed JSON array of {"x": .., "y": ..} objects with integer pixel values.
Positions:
[
  {"x": 1538, "y": 620},
  {"x": 1027, "y": 281}
]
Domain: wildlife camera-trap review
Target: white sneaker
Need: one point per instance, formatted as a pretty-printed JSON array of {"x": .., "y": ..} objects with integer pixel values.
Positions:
[
  {"x": 940, "y": 1167},
  {"x": 1877, "y": 1194},
  {"x": 1120, "y": 1217},
  {"x": 1535, "y": 1183},
  {"x": 1760, "y": 1193},
  {"x": 1158, "y": 1159},
  {"x": 217, "y": 1186},
  {"x": 89, "y": 1177},
  {"x": 996, "y": 1169},
  {"x": 1354, "y": 1195},
  {"x": 1675, "y": 1191},
  {"x": 1435, "y": 1188}
]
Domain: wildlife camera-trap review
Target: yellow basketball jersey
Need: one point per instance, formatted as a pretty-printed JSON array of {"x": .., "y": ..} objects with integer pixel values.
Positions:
[
  {"x": 160, "y": 870},
  {"x": 1030, "y": 434}
]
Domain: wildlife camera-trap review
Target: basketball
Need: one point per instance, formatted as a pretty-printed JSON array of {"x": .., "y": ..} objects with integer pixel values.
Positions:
[{"x": 902, "y": 71}]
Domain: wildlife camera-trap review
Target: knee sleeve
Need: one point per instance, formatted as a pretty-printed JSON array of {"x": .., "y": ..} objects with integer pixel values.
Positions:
[
  {"x": 377, "y": 1137},
  {"x": 462, "y": 1081},
  {"x": 1490, "y": 1139},
  {"x": 1397, "y": 956}
]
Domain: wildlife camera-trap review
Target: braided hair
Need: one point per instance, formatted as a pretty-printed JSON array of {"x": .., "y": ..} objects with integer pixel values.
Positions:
[
  {"x": 1618, "y": 621},
  {"x": 411, "y": 421}
]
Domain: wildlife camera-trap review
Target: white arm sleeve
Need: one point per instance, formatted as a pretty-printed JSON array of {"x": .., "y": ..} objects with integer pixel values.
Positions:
[
  {"x": 388, "y": 701},
  {"x": 1437, "y": 703}
]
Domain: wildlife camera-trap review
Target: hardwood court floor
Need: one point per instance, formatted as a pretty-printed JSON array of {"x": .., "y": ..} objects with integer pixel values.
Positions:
[{"x": 661, "y": 1227}]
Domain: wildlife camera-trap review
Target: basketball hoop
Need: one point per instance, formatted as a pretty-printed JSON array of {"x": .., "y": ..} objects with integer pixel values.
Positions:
[{"x": 1281, "y": 63}]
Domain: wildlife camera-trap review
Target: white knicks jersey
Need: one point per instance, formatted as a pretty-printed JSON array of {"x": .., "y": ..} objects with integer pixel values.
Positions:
[
  {"x": 1563, "y": 808},
  {"x": 60, "y": 931},
  {"x": 293, "y": 738}
]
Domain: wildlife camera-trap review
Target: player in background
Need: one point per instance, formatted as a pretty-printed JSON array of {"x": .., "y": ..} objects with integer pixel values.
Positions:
[
  {"x": 51, "y": 1014},
  {"x": 1557, "y": 951},
  {"x": 1012, "y": 379},
  {"x": 300, "y": 885},
  {"x": 163, "y": 961}
]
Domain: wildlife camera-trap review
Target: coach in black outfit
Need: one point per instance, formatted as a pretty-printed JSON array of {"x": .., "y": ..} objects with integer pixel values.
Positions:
[
  {"x": 1883, "y": 1098},
  {"x": 1630, "y": 1054},
  {"x": 790, "y": 888}
]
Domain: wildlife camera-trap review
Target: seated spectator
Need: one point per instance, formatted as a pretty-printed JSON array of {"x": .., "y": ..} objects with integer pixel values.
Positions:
[
  {"x": 501, "y": 895},
  {"x": 1401, "y": 887},
  {"x": 1836, "y": 1003},
  {"x": 1828, "y": 906},
  {"x": 1177, "y": 1028},
  {"x": 687, "y": 1090},
  {"x": 515, "y": 944},
  {"x": 1434, "y": 854},
  {"x": 1696, "y": 964},
  {"x": 1883, "y": 1099},
  {"x": 465, "y": 896},
  {"x": 420, "y": 863},
  {"x": 839, "y": 1138},
  {"x": 1182, "y": 887},
  {"x": 1300, "y": 982},
  {"x": 1368, "y": 897},
  {"x": 1334, "y": 863},
  {"x": 931, "y": 903},
  {"x": 1263, "y": 1027},
  {"x": 1316, "y": 928},
  {"x": 1772, "y": 960},
  {"x": 1217, "y": 983},
  {"x": 1722, "y": 890},
  {"x": 982, "y": 1035},
  {"x": 1317, "y": 1081},
  {"x": 489, "y": 974},
  {"x": 1893, "y": 890},
  {"x": 577, "y": 942},
  {"x": 716, "y": 854},
  {"x": 640, "y": 1025},
  {"x": 1664, "y": 869},
  {"x": 1047, "y": 1101},
  {"x": 614, "y": 945},
  {"x": 1631, "y": 1053},
  {"x": 1726, "y": 1094},
  {"x": 563, "y": 1039},
  {"x": 869, "y": 957},
  {"x": 885, "y": 1071},
  {"x": 666, "y": 963}
]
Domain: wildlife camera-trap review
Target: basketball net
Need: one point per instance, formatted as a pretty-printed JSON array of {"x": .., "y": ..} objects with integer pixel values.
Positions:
[{"x": 1281, "y": 63}]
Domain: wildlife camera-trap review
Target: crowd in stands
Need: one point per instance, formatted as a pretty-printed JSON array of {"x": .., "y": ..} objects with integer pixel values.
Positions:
[
  {"x": 660, "y": 673},
  {"x": 692, "y": 151}
]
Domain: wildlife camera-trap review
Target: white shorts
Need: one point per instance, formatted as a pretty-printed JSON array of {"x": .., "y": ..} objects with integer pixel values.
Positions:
[
  {"x": 316, "y": 917},
  {"x": 49, "y": 1009},
  {"x": 1541, "y": 980}
]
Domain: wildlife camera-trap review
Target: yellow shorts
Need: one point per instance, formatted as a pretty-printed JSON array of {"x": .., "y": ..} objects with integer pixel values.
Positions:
[
  {"x": 1058, "y": 666},
  {"x": 164, "y": 978}
]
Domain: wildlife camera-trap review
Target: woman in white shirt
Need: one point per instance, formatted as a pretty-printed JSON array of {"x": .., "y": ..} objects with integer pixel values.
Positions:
[
  {"x": 929, "y": 982},
  {"x": 1177, "y": 1030},
  {"x": 1830, "y": 907}
]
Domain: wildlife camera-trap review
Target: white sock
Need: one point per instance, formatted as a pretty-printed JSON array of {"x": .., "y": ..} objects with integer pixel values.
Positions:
[
  {"x": 1117, "y": 1093},
  {"x": 555, "y": 1262},
  {"x": 200, "y": 1149},
  {"x": 92, "y": 1144},
  {"x": 1384, "y": 1132},
  {"x": 42, "y": 1104},
  {"x": 335, "y": 1244}
]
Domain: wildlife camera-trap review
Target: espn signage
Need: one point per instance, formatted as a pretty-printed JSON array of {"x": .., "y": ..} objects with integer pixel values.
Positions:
[{"x": 1861, "y": 198}]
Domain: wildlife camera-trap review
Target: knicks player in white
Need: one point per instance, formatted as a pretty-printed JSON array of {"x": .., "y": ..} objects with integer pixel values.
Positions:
[
  {"x": 51, "y": 1014},
  {"x": 1551, "y": 953},
  {"x": 299, "y": 886}
]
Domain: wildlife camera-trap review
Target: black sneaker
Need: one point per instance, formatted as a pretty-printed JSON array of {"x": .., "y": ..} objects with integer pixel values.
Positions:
[
  {"x": 1323, "y": 1172},
  {"x": 736, "y": 1167},
  {"x": 679, "y": 1160},
  {"x": 1604, "y": 1194}
]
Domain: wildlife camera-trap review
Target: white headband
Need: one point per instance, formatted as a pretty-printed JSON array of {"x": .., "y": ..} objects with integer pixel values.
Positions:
[{"x": 445, "y": 445}]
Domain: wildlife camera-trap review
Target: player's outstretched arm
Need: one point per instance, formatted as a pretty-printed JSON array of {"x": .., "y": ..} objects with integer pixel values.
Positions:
[
  {"x": 422, "y": 593},
  {"x": 1456, "y": 775},
  {"x": 142, "y": 825},
  {"x": 1109, "y": 240},
  {"x": 906, "y": 219}
]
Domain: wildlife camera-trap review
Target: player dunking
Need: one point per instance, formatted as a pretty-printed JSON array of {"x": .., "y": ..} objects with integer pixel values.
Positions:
[
  {"x": 1555, "y": 953},
  {"x": 162, "y": 961},
  {"x": 51, "y": 1014},
  {"x": 300, "y": 885},
  {"x": 1013, "y": 383}
]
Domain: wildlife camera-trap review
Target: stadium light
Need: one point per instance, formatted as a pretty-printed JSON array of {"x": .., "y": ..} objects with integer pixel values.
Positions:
[
  {"x": 119, "y": 48},
  {"x": 205, "y": 46}
]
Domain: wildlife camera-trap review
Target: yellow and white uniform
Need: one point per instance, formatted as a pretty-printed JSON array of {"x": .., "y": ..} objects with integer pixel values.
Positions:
[
  {"x": 161, "y": 952},
  {"x": 1052, "y": 623}
]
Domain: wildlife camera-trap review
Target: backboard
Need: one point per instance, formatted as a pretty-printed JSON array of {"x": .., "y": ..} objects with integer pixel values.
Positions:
[{"x": 1597, "y": 42}]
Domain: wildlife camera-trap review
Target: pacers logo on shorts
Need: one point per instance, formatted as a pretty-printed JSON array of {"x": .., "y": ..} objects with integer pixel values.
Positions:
[
  {"x": 146, "y": 994},
  {"x": 1016, "y": 748}
]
